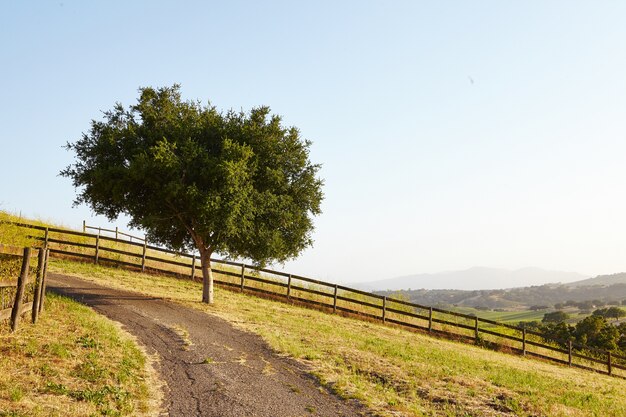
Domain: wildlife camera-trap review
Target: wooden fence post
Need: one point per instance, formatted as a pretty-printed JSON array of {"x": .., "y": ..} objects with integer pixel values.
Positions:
[
  {"x": 384, "y": 309},
  {"x": 36, "y": 290},
  {"x": 430, "y": 319},
  {"x": 524, "y": 341},
  {"x": 97, "y": 249},
  {"x": 193, "y": 267},
  {"x": 116, "y": 233},
  {"x": 289, "y": 286},
  {"x": 143, "y": 256},
  {"x": 19, "y": 293},
  {"x": 84, "y": 226},
  {"x": 476, "y": 329},
  {"x": 609, "y": 364},
  {"x": 243, "y": 276},
  {"x": 45, "y": 238},
  {"x": 569, "y": 353},
  {"x": 42, "y": 290},
  {"x": 335, "y": 298}
]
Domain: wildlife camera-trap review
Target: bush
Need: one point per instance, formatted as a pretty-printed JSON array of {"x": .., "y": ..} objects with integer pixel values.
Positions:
[{"x": 555, "y": 317}]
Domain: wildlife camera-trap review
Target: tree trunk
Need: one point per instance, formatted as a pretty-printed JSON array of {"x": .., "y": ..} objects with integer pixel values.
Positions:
[{"x": 207, "y": 277}]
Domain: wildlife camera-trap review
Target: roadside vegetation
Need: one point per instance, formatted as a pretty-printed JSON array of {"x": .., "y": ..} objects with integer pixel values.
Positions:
[
  {"x": 392, "y": 371},
  {"x": 73, "y": 362}
]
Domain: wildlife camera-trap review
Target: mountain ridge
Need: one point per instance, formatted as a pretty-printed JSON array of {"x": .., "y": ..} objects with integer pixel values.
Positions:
[{"x": 475, "y": 278}]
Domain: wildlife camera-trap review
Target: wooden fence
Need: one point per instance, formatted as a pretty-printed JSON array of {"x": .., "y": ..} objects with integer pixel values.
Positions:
[
  {"x": 116, "y": 231},
  {"x": 24, "y": 295},
  {"x": 327, "y": 296}
]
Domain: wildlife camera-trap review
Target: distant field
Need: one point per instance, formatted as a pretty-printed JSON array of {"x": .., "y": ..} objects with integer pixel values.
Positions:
[
  {"x": 510, "y": 317},
  {"x": 393, "y": 371},
  {"x": 514, "y": 317}
]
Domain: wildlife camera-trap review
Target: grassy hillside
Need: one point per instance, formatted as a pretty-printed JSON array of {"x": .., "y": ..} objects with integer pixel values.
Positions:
[
  {"x": 394, "y": 372},
  {"x": 515, "y": 317},
  {"x": 73, "y": 362},
  {"x": 619, "y": 278}
]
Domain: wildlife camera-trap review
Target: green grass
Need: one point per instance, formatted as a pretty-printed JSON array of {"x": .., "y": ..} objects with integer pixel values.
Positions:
[
  {"x": 73, "y": 362},
  {"x": 515, "y": 317},
  {"x": 510, "y": 317},
  {"x": 393, "y": 371}
]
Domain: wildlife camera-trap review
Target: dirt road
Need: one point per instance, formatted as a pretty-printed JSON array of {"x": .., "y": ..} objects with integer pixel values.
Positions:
[{"x": 210, "y": 368}]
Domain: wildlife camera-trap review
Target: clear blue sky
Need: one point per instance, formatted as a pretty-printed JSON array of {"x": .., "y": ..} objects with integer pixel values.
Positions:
[{"x": 452, "y": 134}]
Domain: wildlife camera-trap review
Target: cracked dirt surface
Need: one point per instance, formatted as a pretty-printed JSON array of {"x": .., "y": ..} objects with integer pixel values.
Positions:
[{"x": 209, "y": 367}]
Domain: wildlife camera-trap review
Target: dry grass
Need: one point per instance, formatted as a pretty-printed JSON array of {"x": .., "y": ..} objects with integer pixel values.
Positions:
[
  {"x": 74, "y": 363},
  {"x": 321, "y": 294},
  {"x": 394, "y": 372}
]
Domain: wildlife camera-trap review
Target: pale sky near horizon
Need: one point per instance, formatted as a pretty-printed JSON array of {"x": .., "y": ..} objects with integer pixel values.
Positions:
[{"x": 452, "y": 134}]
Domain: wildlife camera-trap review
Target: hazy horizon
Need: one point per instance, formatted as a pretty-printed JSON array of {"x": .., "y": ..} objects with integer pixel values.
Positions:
[
  {"x": 475, "y": 278},
  {"x": 450, "y": 135}
]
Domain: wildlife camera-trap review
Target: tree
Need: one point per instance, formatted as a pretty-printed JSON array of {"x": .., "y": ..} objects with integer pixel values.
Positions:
[
  {"x": 555, "y": 317},
  {"x": 611, "y": 312},
  {"x": 595, "y": 331},
  {"x": 235, "y": 184},
  {"x": 615, "y": 312},
  {"x": 559, "y": 332}
]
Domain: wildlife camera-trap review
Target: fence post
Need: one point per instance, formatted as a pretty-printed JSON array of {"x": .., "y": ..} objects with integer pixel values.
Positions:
[
  {"x": 289, "y": 286},
  {"x": 569, "y": 353},
  {"x": 45, "y": 238},
  {"x": 430, "y": 319},
  {"x": 143, "y": 256},
  {"x": 97, "y": 249},
  {"x": 524, "y": 341},
  {"x": 476, "y": 329},
  {"x": 84, "y": 226},
  {"x": 384, "y": 309},
  {"x": 36, "y": 290},
  {"x": 19, "y": 293},
  {"x": 335, "y": 298},
  {"x": 609, "y": 364},
  {"x": 115, "y": 232},
  {"x": 193, "y": 267},
  {"x": 243, "y": 276},
  {"x": 42, "y": 289}
]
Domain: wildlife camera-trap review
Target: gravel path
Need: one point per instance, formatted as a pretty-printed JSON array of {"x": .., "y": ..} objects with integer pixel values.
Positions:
[{"x": 210, "y": 368}]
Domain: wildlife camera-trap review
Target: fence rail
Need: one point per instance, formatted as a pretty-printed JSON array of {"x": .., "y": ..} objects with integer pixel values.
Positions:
[
  {"x": 117, "y": 232},
  {"x": 15, "y": 305},
  {"x": 330, "y": 297}
]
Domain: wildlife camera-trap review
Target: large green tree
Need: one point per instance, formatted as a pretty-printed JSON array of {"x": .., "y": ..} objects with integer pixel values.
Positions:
[{"x": 238, "y": 184}]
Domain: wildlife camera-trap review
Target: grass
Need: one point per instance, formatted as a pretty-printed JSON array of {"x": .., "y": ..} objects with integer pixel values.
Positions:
[
  {"x": 13, "y": 235},
  {"x": 510, "y": 317},
  {"x": 394, "y": 372},
  {"x": 73, "y": 362}
]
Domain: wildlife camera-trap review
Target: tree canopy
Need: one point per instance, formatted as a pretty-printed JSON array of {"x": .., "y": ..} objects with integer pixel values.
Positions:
[
  {"x": 232, "y": 183},
  {"x": 555, "y": 317}
]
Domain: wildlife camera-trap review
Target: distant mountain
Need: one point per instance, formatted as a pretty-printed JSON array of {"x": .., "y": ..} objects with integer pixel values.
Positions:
[
  {"x": 619, "y": 278},
  {"x": 605, "y": 288},
  {"x": 477, "y": 278}
]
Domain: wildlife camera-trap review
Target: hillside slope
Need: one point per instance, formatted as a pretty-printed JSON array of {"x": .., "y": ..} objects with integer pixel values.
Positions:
[
  {"x": 393, "y": 371},
  {"x": 515, "y": 298},
  {"x": 606, "y": 280}
]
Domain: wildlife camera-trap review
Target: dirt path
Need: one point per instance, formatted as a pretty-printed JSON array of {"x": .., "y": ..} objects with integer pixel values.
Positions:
[{"x": 210, "y": 367}]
